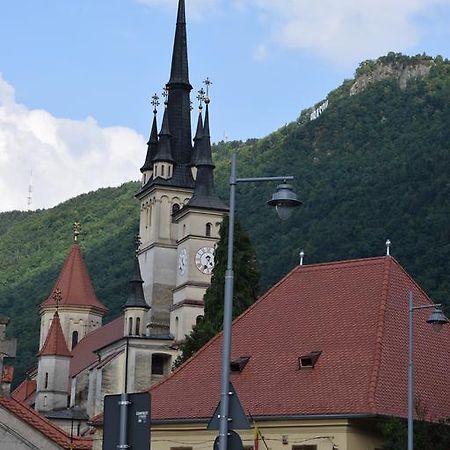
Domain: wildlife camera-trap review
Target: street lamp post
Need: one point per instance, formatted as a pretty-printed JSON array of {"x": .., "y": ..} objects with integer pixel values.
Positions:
[
  {"x": 437, "y": 320},
  {"x": 284, "y": 199}
]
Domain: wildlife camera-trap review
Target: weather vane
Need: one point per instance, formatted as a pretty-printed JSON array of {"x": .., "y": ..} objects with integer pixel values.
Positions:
[
  {"x": 155, "y": 103},
  {"x": 207, "y": 83},
  {"x": 301, "y": 254},
  {"x": 165, "y": 94},
  {"x": 57, "y": 296},
  {"x": 76, "y": 231},
  {"x": 137, "y": 243},
  {"x": 201, "y": 98},
  {"x": 388, "y": 247}
]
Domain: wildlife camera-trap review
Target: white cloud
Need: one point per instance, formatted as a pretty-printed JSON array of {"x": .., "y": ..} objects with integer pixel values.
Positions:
[
  {"x": 67, "y": 157},
  {"x": 344, "y": 31},
  {"x": 196, "y": 9}
]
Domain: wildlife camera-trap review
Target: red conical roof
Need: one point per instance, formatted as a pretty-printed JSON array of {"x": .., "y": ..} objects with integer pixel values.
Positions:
[
  {"x": 75, "y": 284},
  {"x": 55, "y": 343}
]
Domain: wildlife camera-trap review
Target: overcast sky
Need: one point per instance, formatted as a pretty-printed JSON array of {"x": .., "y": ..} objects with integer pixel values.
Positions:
[{"x": 76, "y": 76}]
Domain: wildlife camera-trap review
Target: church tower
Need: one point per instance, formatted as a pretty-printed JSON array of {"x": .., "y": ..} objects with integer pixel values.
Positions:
[
  {"x": 53, "y": 370},
  {"x": 170, "y": 177},
  {"x": 79, "y": 309}
]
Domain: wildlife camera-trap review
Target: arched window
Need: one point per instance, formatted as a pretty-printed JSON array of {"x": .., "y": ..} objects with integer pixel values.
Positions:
[
  {"x": 175, "y": 209},
  {"x": 208, "y": 229},
  {"x": 138, "y": 326},
  {"x": 46, "y": 380},
  {"x": 169, "y": 170},
  {"x": 198, "y": 319},
  {"x": 130, "y": 326},
  {"x": 162, "y": 170},
  {"x": 74, "y": 339}
]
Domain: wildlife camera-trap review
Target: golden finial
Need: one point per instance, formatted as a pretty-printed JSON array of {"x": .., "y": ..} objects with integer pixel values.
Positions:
[
  {"x": 57, "y": 296},
  {"x": 76, "y": 231}
]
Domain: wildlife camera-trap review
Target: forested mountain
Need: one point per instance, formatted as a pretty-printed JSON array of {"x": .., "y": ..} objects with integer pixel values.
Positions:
[{"x": 373, "y": 164}]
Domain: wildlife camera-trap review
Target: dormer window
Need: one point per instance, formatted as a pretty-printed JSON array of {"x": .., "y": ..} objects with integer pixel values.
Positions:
[
  {"x": 237, "y": 365},
  {"x": 309, "y": 360}
]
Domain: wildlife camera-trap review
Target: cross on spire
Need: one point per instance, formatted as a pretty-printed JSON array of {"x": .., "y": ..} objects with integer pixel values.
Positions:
[
  {"x": 201, "y": 97},
  {"x": 76, "y": 231},
  {"x": 57, "y": 296},
  {"x": 155, "y": 103},
  {"x": 165, "y": 94},
  {"x": 207, "y": 83}
]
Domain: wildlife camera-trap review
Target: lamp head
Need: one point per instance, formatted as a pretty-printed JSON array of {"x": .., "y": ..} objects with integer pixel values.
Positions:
[
  {"x": 284, "y": 199},
  {"x": 437, "y": 319}
]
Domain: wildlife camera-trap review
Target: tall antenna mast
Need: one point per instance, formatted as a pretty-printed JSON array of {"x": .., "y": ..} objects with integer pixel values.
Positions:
[{"x": 30, "y": 192}]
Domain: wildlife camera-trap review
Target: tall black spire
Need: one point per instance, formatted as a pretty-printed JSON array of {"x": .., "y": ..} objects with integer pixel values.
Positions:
[
  {"x": 205, "y": 193},
  {"x": 179, "y": 105},
  {"x": 179, "y": 72}
]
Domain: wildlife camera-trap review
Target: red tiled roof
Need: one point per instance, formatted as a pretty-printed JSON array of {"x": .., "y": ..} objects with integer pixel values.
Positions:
[
  {"x": 43, "y": 425},
  {"x": 75, "y": 284},
  {"x": 356, "y": 314},
  {"x": 83, "y": 354},
  {"x": 55, "y": 343},
  {"x": 25, "y": 392}
]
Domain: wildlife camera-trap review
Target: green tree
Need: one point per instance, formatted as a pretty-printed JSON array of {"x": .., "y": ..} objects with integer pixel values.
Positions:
[
  {"x": 427, "y": 435},
  {"x": 246, "y": 282}
]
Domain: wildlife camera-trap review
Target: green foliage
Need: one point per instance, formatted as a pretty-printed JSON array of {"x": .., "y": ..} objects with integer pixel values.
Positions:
[
  {"x": 246, "y": 279},
  {"x": 34, "y": 245},
  {"x": 427, "y": 435},
  {"x": 373, "y": 166}
]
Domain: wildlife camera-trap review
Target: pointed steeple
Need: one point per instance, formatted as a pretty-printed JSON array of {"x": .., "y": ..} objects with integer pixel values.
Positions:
[
  {"x": 164, "y": 149},
  {"x": 153, "y": 140},
  {"x": 179, "y": 72},
  {"x": 205, "y": 193},
  {"x": 197, "y": 139},
  {"x": 75, "y": 284},
  {"x": 55, "y": 343},
  {"x": 136, "y": 297}
]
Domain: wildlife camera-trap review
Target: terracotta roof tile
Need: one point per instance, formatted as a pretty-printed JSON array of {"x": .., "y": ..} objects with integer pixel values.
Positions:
[
  {"x": 43, "y": 425},
  {"x": 75, "y": 284},
  {"x": 83, "y": 353},
  {"x": 355, "y": 313},
  {"x": 55, "y": 343},
  {"x": 25, "y": 392}
]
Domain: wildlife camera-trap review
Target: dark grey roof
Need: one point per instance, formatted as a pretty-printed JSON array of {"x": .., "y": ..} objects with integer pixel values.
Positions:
[
  {"x": 151, "y": 147},
  {"x": 197, "y": 139},
  {"x": 164, "y": 148},
  {"x": 136, "y": 297},
  {"x": 205, "y": 193}
]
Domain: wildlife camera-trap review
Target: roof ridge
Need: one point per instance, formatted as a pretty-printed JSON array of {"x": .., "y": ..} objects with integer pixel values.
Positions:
[
  {"x": 380, "y": 333},
  {"x": 356, "y": 261}
]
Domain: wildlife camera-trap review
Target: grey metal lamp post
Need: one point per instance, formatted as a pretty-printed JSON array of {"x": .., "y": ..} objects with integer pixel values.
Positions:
[
  {"x": 284, "y": 199},
  {"x": 437, "y": 320}
]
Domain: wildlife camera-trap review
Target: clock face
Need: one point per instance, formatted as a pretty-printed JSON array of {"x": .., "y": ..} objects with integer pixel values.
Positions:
[
  {"x": 182, "y": 262},
  {"x": 204, "y": 260}
]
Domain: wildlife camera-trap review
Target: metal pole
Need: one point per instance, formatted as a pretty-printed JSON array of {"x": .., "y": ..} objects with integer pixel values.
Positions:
[
  {"x": 124, "y": 403},
  {"x": 227, "y": 316},
  {"x": 410, "y": 374}
]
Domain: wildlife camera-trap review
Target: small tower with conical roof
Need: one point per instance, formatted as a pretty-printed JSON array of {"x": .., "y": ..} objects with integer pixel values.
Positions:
[
  {"x": 135, "y": 308},
  {"x": 80, "y": 311},
  {"x": 152, "y": 145},
  {"x": 52, "y": 384}
]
